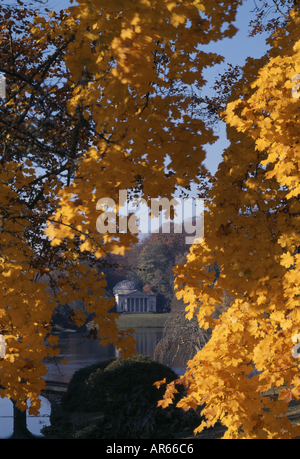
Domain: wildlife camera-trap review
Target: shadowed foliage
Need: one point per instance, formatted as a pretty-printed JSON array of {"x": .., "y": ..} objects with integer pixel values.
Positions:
[{"x": 123, "y": 391}]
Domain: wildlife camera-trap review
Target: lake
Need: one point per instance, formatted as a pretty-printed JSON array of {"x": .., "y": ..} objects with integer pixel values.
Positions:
[{"x": 79, "y": 353}]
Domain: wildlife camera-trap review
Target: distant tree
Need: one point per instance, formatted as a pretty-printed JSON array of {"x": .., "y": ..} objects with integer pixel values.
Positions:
[
  {"x": 156, "y": 262},
  {"x": 183, "y": 338},
  {"x": 147, "y": 289}
]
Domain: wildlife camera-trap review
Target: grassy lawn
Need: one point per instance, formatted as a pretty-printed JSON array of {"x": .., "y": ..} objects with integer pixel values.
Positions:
[{"x": 141, "y": 320}]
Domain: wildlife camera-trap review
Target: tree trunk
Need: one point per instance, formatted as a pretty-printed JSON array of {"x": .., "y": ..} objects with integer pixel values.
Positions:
[{"x": 20, "y": 427}]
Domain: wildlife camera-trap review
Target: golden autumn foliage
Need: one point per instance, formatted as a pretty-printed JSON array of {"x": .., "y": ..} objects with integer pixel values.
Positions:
[
  {"x": 252, "y": 231},
  {"x": 125, "y": 108},
  {"x": 96, "y": 99}
]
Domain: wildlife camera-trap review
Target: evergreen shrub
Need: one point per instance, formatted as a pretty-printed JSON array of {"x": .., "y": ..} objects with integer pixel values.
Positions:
[
  {"x": 124, "y": 391},
  {"x": 75, "y": 397}
]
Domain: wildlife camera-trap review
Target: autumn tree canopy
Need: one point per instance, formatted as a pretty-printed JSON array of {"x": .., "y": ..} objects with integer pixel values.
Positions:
[
  {"x": 84, "y": 88},
  {"x": 252, "y": 229},
  {"x": 101, "y": 98}
]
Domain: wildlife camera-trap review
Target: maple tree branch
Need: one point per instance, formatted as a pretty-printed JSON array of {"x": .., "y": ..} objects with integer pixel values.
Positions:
[{"x": 279, "y": 10}]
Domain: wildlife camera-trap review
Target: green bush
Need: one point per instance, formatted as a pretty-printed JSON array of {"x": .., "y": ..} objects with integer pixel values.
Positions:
[
  {"x": 75, "y": 397},
  {"x": 124, "y": 391},
  {"x": 133, "y": 378}
]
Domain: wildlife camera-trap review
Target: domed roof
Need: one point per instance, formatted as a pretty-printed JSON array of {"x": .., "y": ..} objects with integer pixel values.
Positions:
[{"x": 125, "y": 286}]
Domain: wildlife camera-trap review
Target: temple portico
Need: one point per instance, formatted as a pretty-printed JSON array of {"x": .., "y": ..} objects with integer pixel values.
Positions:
[{"x": 130, "y": 298}]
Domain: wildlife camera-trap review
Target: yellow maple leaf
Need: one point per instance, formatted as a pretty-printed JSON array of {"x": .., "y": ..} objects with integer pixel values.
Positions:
[
  {"x": 159, "y": 383},
  {"x": 287, "y": 260},
  {"x": 165, "y": 402}
]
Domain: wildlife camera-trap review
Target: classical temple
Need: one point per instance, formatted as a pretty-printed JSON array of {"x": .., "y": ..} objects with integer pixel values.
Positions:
[{"x": 130, "y": 298}]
